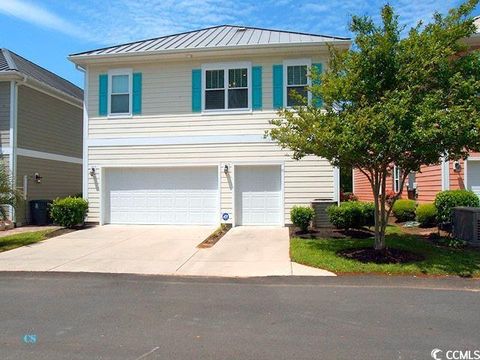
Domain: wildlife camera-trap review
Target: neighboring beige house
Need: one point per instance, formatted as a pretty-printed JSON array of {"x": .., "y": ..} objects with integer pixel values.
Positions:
[
  {"x": 40, "y": 131},
  {"x": 174, "y": 128}
]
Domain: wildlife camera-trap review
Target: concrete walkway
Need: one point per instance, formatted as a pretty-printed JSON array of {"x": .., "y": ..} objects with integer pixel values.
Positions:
[{"x": 161, "y": 250}]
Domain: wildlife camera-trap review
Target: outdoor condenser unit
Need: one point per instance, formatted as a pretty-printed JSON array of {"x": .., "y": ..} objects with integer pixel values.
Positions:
[{"x": 466, "y": 224}]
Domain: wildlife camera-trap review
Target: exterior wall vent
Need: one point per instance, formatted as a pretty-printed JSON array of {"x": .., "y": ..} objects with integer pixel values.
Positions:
[{"x": 466, "y": 224}]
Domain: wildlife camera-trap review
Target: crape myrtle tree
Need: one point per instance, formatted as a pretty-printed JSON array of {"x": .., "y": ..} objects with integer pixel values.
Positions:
[{"x": 391, "y": 100}]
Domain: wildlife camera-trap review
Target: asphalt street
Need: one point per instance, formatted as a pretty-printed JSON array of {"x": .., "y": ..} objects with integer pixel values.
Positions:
[{"x": 96, "y": 316}]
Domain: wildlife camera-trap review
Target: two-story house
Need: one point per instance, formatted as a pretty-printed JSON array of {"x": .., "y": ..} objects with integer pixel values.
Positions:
[
  {"x": 40, "y": 131},
  {"x": 175, "y": 128}
]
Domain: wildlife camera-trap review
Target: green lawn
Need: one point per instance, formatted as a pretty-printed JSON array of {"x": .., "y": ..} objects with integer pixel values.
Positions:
[
  {"x": 13, "y": 241},
  {"x": 322, "y": 253}
]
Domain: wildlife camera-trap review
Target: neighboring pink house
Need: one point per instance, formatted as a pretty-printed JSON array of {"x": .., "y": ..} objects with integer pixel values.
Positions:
[{"x": 430, "y": 180}]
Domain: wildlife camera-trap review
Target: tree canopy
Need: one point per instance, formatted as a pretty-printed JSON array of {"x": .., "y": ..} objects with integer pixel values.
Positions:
[{"x": 391, "y": 100}]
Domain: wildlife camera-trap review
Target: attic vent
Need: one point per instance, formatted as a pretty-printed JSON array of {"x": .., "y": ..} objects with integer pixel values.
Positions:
[{"x": 241, "y": 29}]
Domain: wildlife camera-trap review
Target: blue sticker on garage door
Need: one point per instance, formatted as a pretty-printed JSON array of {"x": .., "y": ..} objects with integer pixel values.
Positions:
[{"x": 225, "y": 216}]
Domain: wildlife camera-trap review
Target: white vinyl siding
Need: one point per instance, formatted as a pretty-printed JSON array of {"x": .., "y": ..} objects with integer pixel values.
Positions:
[{"x": 167, "y": 86}]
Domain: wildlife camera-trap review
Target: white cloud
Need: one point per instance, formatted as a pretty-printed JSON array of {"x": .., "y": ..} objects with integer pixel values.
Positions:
[{"x": 39, "y": 16}]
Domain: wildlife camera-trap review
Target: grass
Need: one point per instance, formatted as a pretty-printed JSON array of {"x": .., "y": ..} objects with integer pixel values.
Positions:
[
  {"x": 322, "y": 253},
  {"x": 21, "y": 239}
]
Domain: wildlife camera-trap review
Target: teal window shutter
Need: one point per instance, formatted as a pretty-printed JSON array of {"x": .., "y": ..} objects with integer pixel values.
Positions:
[
  {"x": 137, "y": 94},
  {"x": 196, "y": 90},
  {"x": 277, "y": 86},
  {"x": 257, "y": 88},
  {"x": 317, "y": 100},
  {"x": 102, "y": 94}
]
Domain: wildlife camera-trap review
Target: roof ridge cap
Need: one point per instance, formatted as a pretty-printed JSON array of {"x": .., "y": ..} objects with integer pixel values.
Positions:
[{"x": 8, "y": 58}]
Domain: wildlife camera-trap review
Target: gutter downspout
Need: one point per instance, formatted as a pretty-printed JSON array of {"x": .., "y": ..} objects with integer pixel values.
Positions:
[{"x": 85, "y": 132}]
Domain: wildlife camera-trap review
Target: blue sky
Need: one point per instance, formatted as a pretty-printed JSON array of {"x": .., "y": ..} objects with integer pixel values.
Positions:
[{"x": 45, "y": 32}]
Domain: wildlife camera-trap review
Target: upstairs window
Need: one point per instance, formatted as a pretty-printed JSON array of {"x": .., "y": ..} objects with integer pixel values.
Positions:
[
  {"x": 297, "y": 82},
  {"x": 120, "y": 92},
  {"x": 227, "y": 87}
]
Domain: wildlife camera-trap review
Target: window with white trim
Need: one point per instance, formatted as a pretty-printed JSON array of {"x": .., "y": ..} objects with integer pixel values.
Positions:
[
  {"x": 396, "y": 179},
  {"x": 227, "y": 87},
  {"x": 296, "y": 80},
  {"x": 120, "y": 92},
  {"x": 297, "y": 83}
]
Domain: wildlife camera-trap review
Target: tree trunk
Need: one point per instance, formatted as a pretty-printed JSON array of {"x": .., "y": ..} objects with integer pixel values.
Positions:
[
  {"x": 376, "y": 186},
  {"x": 379, "y": 196},
  {"x": 380, "y": 244}
]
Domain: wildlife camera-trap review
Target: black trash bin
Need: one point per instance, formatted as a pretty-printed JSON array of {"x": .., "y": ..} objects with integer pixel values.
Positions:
[{"x": 39, "y": 212}]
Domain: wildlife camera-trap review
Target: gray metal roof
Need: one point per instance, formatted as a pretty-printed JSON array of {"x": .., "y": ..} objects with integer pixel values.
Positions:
[
  {"x": 9, "y": 61},
  {"x": 214, "y": 37}
]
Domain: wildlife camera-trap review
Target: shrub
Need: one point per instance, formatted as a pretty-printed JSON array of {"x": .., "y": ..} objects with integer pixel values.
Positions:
[
  {"x": 348, "y": 196},
  {"x": 446, "y": 200},
  {"x": 368, "y": 214},
  {"x": 301, "y": 216},
  {"x": 69, "y": 212},
  {"x": 404, "y": 210},
  {"x": 426, "y": 215},
  {"x": 351, "y": 215}
]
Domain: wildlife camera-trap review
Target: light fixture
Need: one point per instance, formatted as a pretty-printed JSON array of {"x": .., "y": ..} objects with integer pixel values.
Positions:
[
  {"x": 92, "y": 171},
  {"x": 456, "y": 166},
  {"x": 225, "y": 169},
  {"x": 37, "y": 178}
]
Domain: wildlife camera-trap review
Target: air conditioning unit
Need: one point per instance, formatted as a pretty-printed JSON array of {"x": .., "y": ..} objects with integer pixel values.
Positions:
[{"x": 466, "y": 224}]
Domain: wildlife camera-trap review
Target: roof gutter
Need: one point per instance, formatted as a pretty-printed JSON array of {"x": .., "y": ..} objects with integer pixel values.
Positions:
[{"x": 85, "y": 58}]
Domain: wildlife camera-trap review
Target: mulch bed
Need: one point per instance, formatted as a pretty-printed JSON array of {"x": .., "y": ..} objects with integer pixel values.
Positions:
[
  {"x": 331, "y": 233},
  {"x": 389, "y": 256},
  {"x": 214, "y": 237}
]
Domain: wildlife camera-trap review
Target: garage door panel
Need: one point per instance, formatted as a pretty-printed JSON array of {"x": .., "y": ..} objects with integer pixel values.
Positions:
[
  {"x": 258, "y": 195},
  {"x": 162, "y": 195}
]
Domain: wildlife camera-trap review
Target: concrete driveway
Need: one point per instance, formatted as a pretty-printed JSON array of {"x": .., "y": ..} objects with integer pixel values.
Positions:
[{"x": 162, "y": 250}]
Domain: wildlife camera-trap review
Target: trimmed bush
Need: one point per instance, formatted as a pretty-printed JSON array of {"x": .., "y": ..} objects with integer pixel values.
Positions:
[
  {"x": 404, "y": 210},
  {"x": 69, "y": 212},
  {"x": 426, "y": 215},
  {"x": 351, "y": 215},
  {"x": 348, "y": 196},
  {"x": 368, "y": 213},
  {"x": 446, "y": 200},
  {"x": 301, "y": 216}
]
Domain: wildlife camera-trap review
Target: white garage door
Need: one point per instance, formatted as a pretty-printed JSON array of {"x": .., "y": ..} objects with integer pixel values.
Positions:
[
  {"x": 473, "y": 176},
  {"x": 162, "y": 196},
  {"x": 258, "y": 195}
]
